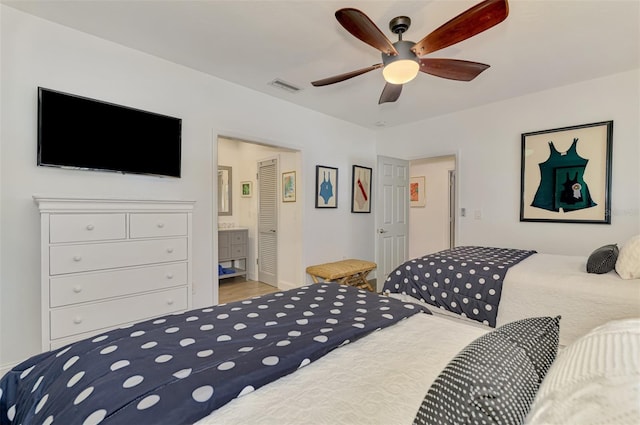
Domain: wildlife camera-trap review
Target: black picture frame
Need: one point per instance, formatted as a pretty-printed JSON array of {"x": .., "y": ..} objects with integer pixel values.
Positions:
[
  {"x": 566, "y": 174},
  {"x": 326, "y": 187},
  {"x": 361, "y": 189}
]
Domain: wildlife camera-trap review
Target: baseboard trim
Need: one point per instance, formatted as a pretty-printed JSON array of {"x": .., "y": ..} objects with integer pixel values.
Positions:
[
  {"x": 283, "y": 286},
  {"x": 6, "y": 368}
]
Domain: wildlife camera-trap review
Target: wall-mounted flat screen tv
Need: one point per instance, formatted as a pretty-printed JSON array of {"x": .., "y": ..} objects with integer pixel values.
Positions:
[{"x": 82, "y": 133}]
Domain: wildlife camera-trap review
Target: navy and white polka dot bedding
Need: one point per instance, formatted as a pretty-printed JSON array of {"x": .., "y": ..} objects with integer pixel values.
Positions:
[
  {"x": 179, "y": 368},
  {"x": 466, "y": 280}
]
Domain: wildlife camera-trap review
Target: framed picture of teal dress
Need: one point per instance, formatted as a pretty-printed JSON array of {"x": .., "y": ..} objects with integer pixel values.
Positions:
[{"x": 566, "y": 174}]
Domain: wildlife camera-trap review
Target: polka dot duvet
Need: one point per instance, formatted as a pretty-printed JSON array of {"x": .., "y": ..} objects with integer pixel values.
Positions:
[
  {"x": 466, "y": 280},
  {"x": 179, "y": 368}
]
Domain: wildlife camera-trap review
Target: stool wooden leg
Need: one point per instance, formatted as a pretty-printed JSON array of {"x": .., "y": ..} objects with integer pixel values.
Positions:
[{"x": 363, "y": 276}]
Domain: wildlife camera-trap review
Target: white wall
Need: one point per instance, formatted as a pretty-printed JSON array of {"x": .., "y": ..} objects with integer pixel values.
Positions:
[
  {"x": 487, "y": 142},
  {"x": 36, "y": 53},
  {"x": 429, "y": 225}
]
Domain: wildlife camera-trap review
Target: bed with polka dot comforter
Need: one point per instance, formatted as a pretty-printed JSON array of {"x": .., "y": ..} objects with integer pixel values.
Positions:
[
  {"x": 466, "y": 280},
  {"x": 179, "y": 368}
]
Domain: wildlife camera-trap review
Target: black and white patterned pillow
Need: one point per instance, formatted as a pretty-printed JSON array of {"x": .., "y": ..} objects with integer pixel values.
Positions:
[
  {"x": 603, "y": 259},
  {"x": 494, "y": 379},
  {"x": 538, "y": 337}
]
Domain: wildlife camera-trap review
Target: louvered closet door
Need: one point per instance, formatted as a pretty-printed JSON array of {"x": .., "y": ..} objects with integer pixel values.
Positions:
[{"x": 268, "y": 222}]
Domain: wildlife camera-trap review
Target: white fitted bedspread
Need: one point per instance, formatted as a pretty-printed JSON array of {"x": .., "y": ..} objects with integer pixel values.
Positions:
[
  {"x": 378, "y": 380},
  {"x": 552, "y": 285}
]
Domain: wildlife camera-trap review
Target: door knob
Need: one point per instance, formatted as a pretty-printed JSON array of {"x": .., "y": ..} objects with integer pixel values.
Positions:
[{"x": 381, "y": 230}]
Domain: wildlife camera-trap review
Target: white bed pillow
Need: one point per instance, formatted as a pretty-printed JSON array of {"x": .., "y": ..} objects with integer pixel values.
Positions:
[
  {"x": 595, "y": 380},
  {"x": 628, "y": 262}
]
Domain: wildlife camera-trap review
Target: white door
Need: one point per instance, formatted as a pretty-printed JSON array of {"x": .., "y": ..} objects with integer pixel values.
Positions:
[
  {"x": 268, "y": 222},
  {"x": 392, "y": 215}
]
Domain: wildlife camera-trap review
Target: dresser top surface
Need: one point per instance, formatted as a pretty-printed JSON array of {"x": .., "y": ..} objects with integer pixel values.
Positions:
[{"x": 55, "y": 204}]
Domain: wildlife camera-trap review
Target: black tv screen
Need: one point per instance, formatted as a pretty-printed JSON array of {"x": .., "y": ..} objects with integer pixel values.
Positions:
[{"x": 78, "y": 132}]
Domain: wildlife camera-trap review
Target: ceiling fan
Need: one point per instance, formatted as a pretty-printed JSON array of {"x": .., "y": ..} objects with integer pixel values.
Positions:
[{"x": 401, "y": 60}]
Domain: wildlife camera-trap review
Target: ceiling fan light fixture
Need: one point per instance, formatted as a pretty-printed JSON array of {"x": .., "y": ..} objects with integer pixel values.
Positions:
[
  {"x": 403, "y": 67},
  {"x": 401, "y": 71}
]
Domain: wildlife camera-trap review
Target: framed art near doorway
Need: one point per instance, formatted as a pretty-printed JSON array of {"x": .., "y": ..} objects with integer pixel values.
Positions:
[
  {"x": 417, "y": 196},
  {"x": 246, "y": 189},
  {"x": 361, "y": 189},
  {"x": 326, "y": 187},
  {"x": 289, "y": 186}
]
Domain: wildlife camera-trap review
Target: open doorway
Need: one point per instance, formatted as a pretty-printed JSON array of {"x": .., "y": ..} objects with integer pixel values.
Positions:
[
  {"x": 242, "y": 157},
  {"x": 432, "y": 224}
]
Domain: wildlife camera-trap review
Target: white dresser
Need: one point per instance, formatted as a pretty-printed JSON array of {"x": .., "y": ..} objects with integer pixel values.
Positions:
[{"x": 111, "y": 262}]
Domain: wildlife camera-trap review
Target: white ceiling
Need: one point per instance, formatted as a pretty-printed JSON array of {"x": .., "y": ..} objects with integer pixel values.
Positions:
[{"x": 542, "y": 44}]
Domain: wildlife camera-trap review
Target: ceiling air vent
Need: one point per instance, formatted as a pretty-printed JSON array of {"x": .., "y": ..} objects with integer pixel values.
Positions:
[{"x": 285, "y": 86}]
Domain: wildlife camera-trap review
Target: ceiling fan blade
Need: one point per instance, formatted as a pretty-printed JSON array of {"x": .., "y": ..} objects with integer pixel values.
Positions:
[
  {"x": 453, "y": 69},
  {"x": 390, "y": 93},
  {"x": 363, "y": 28},
  {"x": 469, "y": 23},
  {"x": 345, "y": 76}
]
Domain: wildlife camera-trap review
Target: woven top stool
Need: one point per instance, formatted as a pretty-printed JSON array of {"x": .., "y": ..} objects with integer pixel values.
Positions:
[{"x": 346, "y": 272}]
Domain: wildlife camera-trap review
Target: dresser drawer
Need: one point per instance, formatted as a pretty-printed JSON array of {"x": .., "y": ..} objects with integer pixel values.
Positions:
[
  {"x": 86, "y": 227},
  {"x": 239, "y": 237},
  {"x": 224, "y": 253},
  {"x": 223, "y": 239},
  {"x": 85, "y": 257},
  {"x": 238, "y": 251},
  {"x": 73, "y": 289},
  {"x": 157, "y": 225},
  {"x": 224, "y": 246},
  {"x": 88, "y": 317}
]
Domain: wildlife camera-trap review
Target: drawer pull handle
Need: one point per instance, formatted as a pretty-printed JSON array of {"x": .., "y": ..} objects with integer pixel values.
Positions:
[
  {"x": 170, "y": 302},
  {"x": 169, "y": 250},
  {"x": 160, "y": 225},
  {"x": 77, "y": 258},
  {"x": 77, "y": 320},
  {"x": 90, "y": 227},
  {"x": 169, "y": 275},
  {"x": 77, "y": 289}
]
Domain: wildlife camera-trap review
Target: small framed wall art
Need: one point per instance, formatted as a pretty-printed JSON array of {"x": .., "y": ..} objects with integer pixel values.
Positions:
[
  {"x": 289, "y": 186},
  {"x": 566, "y": 174},
  {"x": 326, "y": 187},
  {"x": 361, "y": 189},
  {"x": 246, "y": 189},
  {"x": 417, "y": 196}
]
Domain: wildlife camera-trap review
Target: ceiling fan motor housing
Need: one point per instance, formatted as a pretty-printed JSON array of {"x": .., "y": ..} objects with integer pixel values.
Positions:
[{"x": 403, "y": 67}]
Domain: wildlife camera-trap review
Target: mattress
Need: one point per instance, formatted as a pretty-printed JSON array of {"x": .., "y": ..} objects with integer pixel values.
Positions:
[
  {"x": 552, "y": 285},
  {"x": 378, "y": 380}
]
